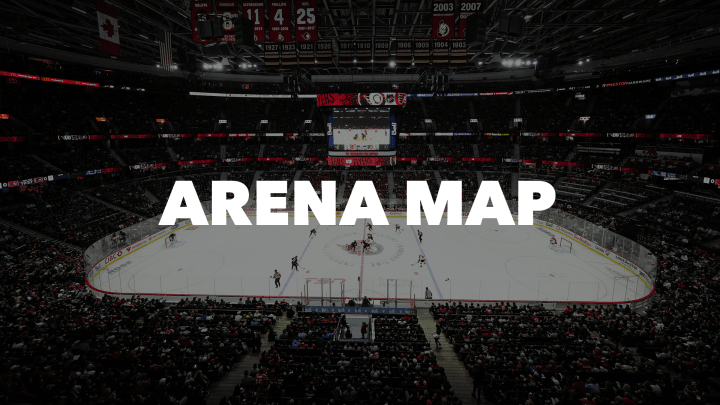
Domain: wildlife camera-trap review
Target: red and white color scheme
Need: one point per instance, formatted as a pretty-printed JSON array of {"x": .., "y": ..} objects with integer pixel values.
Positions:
[
  {"x": 229, "y": 10},
  {"x": 255, "y": 12},
  {"x": 562, "y": 245},
  {"x": 306, "y": 27},
  {"x": 169, "y": 241},
  {"x": 443, "y": 19},
  {"x": 467, "y": 8},
  {"x": 280, "y": 21},
  {"x": 339, "y": 99},
  {"x": 199, "y": 11},
  {"x": 108, "y": 28}
]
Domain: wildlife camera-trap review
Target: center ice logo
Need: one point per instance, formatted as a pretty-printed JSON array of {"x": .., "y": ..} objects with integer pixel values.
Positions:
[{"x": 374, "y": 248}]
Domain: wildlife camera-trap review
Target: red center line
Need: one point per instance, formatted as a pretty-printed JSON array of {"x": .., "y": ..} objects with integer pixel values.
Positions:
[{"x": 362, "y": 261}]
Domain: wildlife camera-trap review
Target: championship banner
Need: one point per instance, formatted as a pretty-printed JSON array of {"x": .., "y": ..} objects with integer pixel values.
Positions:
[
  {"x": 306, "y": 26},
  {"x": 466, "y": 9},
  {"x": 347, "y": 52},
  {"x": 441, "y": 52},
  {"x": 358, "y": 161},
  {"x": 382, "y": 51},
  {"x": 199, "y": 11},
  {"x": 404, "y": 53},
  {"x": 364, "y": 52},
  {"x": 443, "y": 19},
  {"x": 421, "y": 48},
  {"x": 280, "y": 21},
  {"x": 458, "y": 52},
  {"x": 324, "y": 53},
  {"x": 288, "y": 55},
  {"x": 228, "y": 10},
  {"x": 255, "y": 12},
  {"x": 272, "y": 56},
  {"x": 306, "y": 54},
  {"x": 343, "y": 99}
]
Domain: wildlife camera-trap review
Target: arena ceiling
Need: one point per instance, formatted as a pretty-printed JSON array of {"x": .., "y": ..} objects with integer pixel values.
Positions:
[{"x": 575, "y": 30}]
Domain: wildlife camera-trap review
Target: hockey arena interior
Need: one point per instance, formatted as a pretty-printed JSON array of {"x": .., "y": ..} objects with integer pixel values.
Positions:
[{"x": 610, "y": 297}]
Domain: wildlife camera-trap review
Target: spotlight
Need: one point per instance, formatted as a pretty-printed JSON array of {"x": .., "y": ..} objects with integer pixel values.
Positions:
[
  {"x": 392, "y": 63},
  {"x": 504, "y": 62},
  {"x": 587, "y": 60},
  {"x": 479, "y": 63},
  {"x": 206, "y": 66},
  {"x": 518, "y": 62},
  {"x": 580, "y": 63}
]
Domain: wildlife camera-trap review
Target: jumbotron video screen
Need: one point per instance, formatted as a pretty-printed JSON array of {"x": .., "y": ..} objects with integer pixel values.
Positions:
[{"x": 362, "y": 130}]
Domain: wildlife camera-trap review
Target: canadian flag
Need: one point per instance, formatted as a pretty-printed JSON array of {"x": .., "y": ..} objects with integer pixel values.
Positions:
[{"x": 108, "y": 28}]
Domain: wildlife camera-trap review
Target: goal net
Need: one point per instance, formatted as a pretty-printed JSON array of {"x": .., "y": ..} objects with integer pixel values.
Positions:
[{"x": 563, "y": 245}]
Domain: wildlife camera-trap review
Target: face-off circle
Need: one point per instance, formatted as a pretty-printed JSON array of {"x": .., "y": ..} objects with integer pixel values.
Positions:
[{"x": 383, "y": 250}]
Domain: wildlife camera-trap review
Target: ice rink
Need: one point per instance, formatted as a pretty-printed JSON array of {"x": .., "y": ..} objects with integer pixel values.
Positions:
[{"x": 486, "y": 262}]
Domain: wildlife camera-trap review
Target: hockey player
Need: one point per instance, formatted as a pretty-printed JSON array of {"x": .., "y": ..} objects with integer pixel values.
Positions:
[
  {"x": 353, "y": 245},
  {"x": 313, "y": 232},
  {"x": 172, "y": 238},
  {"x": 553, "y": 241},
  {"x": 421, "y": 260},
  {"x": 294, "y": 264},
  {"x": 366, "y": 245},
  {"x": 397, "y": 227},
  {"x": 369, "y": 227},
  {"x": 370, "y": 237},
  {"x": 420, "y": 236}
]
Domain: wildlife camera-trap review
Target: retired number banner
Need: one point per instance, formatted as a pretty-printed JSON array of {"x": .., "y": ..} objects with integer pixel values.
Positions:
[
  {"x": 466, "y": 9},
  {"x": 228, "y": 10},
  {"x": 255, "y": 12},
  {"x": 306, "y": 27},
  {"x": 443, "y": 19},
  {"x": 280, "y": 21},
  {"x": 199, "y": 11}
]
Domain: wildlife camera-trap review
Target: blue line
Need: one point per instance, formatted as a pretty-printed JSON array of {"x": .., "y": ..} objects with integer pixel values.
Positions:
[
  {"x": 427, "y": 263},
  {"x": 292, "y": 272}
]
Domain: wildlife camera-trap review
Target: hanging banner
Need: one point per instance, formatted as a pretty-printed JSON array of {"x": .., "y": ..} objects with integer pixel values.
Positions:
[
  {"x": 229, "y": 10},
  {"x": 306, "y": 27},
  {"x": 404, "y": 53},
  {"x": 288, "y": 55},
  {"x": 272, "y": 56},
  {"x": 280, "y": 21},
  {"x": 421, "y": 51},
  {"x": 466, "y": 9},
  {"x": 364, "y": 52},
  {"x": 306, "y": 54},
  {"x": 199, "y": 11},
  {"x": 324, "y": 53},
  {"x": 347, "y": 52},
  {"x": 458, "y": 52},
  {"x": 441, "y": 52},
  {"x": 255, "y": 12},
  {"x": 443, "y": 19},
  {"x": 382, "y": 51}
]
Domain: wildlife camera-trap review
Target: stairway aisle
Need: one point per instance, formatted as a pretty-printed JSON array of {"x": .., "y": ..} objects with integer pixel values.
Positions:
[
  {"x": 230, "y": 379},
  {"x": 447, "y": 358}
]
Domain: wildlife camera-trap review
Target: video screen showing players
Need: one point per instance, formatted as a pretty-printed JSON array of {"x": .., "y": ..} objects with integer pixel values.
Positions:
[{"x": 361, "y": 129}]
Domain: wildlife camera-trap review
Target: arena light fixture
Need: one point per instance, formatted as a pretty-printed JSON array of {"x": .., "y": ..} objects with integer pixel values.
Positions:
[
  {"x": 580, "y": 63},
  {"x": 392, "y": 63},
  {"x": 518, "y": 62}
]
